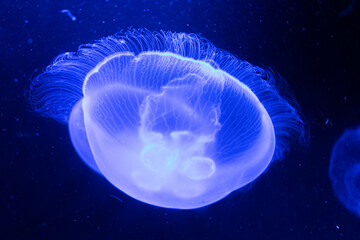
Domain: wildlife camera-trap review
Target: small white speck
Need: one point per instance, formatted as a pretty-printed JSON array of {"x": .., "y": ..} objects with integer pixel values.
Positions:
[{"x": 70, "y": 15}]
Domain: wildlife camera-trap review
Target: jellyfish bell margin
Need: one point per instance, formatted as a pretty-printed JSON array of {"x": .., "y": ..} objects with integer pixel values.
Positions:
[{"x": 166, "y": 117}]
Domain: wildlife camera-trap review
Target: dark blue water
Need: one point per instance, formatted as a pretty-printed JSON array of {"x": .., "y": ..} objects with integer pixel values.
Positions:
[{"x": 47, "y": 192}]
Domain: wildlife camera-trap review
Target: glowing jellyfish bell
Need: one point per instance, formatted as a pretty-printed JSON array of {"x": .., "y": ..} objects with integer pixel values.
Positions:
[
  {"x": 166, "y": 117},
  {"x": 344, "y": 170}
]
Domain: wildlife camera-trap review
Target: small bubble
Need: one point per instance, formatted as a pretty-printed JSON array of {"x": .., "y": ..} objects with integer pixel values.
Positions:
[
  {"x": 29, "y": 41},
  {"x": 16, "y": 80}
]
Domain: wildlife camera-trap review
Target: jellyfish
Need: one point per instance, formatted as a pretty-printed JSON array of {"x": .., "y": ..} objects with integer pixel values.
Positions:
[
  {"x": 168, "y": 118},
  {"x": 344, "y": 170}
]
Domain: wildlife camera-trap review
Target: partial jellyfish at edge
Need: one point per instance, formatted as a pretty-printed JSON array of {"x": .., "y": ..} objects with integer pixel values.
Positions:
[
  {"x": 168, "y": 118},
  {"x": 344, "y": 170}
]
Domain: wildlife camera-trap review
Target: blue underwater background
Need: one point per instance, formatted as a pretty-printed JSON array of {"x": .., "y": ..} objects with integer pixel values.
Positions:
[{"x": 47, "y": 192}]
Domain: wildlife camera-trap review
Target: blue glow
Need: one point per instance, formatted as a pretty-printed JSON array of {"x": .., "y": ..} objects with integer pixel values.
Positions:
[
  {"x": 78, "y": 136},
  {"x": 168, "y": 118},
  {"x": 344, "y": 169}
]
